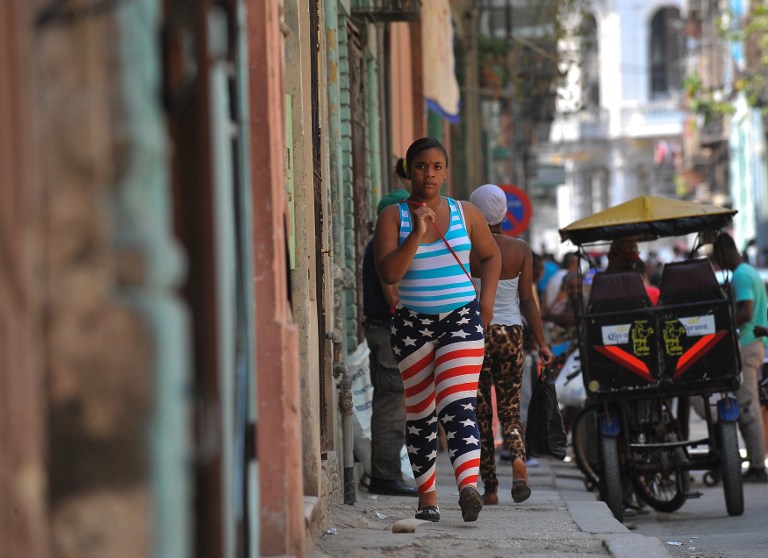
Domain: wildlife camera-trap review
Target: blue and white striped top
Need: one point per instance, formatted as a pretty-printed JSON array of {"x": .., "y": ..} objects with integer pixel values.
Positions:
[{"x": 435, "y": 283}]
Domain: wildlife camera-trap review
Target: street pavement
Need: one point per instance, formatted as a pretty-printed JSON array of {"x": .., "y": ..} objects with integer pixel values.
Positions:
[{"x": 559, "y": 519}]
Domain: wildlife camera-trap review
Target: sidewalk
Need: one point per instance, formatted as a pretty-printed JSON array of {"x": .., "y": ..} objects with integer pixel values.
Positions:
[{"x": 560, "y": 518}]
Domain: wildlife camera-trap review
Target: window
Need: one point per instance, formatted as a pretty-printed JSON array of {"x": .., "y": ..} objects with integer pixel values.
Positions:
[
  {"x": 666, "y": 52},
  {"x": 590, "y": 65}
]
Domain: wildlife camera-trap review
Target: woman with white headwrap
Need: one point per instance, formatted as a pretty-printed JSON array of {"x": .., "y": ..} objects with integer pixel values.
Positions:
[
  {"x": 503, "y": 362},
  {"x": 492, "y": 203}
]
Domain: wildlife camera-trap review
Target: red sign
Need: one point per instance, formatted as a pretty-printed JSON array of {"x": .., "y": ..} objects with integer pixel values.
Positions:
[{"x": 519, "y": 210}]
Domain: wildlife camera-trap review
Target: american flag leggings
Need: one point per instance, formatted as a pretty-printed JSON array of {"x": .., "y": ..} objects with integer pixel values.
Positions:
[{"x": 440, "y": 356}]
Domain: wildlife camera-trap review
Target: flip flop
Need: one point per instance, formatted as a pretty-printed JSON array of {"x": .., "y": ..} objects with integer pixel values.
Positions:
[{"x": 520, "y": 491}]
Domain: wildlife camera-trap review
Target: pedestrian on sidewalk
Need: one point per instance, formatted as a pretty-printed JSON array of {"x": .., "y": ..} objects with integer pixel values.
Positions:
[
  {"x": 751, "y": 305},
  {"x": 564, "y": 317},
  {"x": 423, "y": 245},
  {"x": 503, "y": 363},
  {"x": 388, "y": 405}
]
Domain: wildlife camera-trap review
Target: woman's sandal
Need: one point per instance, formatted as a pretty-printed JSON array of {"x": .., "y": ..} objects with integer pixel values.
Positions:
[
  {"x": 428, "y": 513},
  {"x": 520, "y": 491},
  {"x": 470, "y": 503}
]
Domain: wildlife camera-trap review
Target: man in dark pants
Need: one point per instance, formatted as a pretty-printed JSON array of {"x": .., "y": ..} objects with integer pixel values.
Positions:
[{"x": 388, "y": 412}]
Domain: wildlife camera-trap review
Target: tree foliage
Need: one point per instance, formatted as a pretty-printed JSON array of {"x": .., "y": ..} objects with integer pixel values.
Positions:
[
  {"x": 750, "y": 78},
  {"x": 753, "y": 80},
  {"x": 525, "y": 62}
]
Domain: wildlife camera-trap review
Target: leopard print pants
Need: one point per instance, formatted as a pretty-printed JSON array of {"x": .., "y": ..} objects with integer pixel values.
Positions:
[{"x": 502, "y": 368}]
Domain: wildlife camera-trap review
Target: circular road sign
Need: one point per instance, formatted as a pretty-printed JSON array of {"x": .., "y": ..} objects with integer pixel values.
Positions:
[{"x": 519, "y": 210}]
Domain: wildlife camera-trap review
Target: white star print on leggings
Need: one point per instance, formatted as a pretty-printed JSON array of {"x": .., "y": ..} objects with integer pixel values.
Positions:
[{"x": 439, "y": 356}]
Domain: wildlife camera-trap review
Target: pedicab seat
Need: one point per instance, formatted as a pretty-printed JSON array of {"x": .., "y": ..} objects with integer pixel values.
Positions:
[
  {"x": 619, "y": 318},
  {"x": 689, "y": 281},
  {"x": 617, "y": 291},
  {"x": 706, "y": 360}
]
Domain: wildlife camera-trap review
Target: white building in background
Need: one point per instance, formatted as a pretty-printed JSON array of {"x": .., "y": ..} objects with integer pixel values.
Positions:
[
  {"x": 618, "y": 132},
  {"x": 748, "y": 159}
]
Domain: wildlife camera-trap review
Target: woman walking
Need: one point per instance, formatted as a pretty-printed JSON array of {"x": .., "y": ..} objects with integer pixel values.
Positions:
[
  {"x": 423, "y": 244},
  {"x": 503, "y": 363}
]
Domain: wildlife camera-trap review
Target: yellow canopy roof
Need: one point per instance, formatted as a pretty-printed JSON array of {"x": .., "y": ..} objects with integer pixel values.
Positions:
[{"x": 648, "y": 217}]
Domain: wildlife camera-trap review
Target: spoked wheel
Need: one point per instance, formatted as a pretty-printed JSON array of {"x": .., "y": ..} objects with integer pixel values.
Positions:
[
  {"x": 665, "y": 487},
  {"x": 584, "y": 440},
  {"x": 610, "y": 478},
  {"x": 730, "y": 467}
]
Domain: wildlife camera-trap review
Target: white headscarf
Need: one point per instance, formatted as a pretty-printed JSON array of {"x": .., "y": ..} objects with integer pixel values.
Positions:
[{"x": 491, "y": 201}]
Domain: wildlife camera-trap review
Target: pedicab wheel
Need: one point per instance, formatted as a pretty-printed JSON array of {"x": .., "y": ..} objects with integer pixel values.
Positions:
[
  {"x": 585, "y": 447},
  {"x": 610, "y": 479},
  {"x": 730, "y": 467},
  {"x": 666, "y": 488}
]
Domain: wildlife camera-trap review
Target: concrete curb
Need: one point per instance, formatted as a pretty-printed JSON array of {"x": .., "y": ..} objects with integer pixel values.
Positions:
[
  {"x": 632, "y": 546},
  {"x": 595, "y": 518}
]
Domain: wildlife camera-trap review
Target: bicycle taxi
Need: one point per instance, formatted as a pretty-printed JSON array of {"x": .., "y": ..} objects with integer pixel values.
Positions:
[{"x": 639, "y": 362}]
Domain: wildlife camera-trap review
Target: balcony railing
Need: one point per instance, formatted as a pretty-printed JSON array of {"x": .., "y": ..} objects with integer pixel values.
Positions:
[
  {"x": 382, "y": 11},
  {"x": 713, "y": 130},
  {"x": 657, "y": 118},
  {"x": 582, "y": 125},
  {"x": 593, "y": 124}
]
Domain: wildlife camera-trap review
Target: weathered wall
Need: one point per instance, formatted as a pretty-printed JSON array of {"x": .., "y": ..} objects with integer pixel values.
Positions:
[
  {"x": 92, "y": 350},
  {"x": 23, "y": 484},
  {"x": 279, "y": 413},
  {"x": 98, "y": 350},
  {"x": 401, "y": 122},
  {"x": 304, "y": 276}
]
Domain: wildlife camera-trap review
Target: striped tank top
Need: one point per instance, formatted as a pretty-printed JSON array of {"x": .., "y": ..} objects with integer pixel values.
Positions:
[{"x": 435, "y": 283}]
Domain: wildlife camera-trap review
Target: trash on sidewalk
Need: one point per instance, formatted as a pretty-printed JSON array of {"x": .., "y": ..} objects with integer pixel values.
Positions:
[{"x": 407, "y": 525}]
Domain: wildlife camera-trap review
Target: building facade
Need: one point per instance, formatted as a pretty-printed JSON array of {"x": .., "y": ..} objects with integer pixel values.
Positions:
[
  {"x": 653, "y": 106},
  {"x": 619, "y": 126},
  {"x": 190, "y": 186}
]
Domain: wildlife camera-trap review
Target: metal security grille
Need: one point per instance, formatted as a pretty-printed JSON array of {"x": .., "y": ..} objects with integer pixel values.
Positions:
[
  {"x": 359, "y": 172},
  {"x": 317, "y": 182},
  {"x": 387, "y": 10}
]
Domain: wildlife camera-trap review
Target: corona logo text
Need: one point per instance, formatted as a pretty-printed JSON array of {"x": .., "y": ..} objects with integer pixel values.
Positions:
[
  {"x": 616, "y": 334},
  {"x": 696, "y": 326}
]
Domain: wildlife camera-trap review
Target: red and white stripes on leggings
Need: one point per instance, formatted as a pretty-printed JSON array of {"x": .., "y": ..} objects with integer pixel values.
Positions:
[{"x": 439, "y": 356}]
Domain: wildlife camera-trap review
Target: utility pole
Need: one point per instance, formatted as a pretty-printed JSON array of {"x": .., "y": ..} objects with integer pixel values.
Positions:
[{"x": 469, "y": 14}]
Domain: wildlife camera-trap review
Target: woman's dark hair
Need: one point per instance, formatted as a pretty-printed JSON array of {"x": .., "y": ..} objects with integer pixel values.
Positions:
[
  {"x": 417, "y": 147},
  {"x": 640, "y": 267},
  {"x": 725, "y": 253},
  {"x": 399, "y": 169},
  {"x": 568, "y": 277}
]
